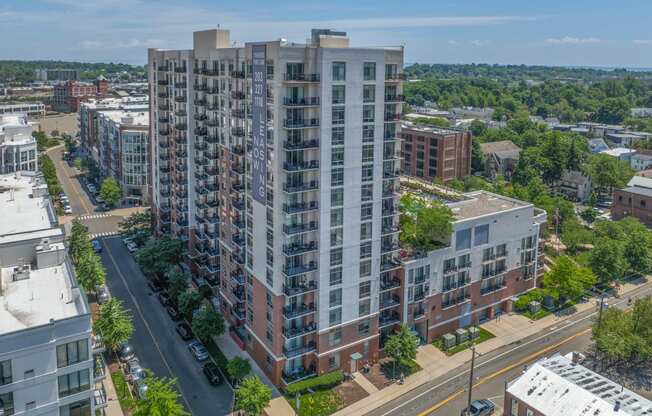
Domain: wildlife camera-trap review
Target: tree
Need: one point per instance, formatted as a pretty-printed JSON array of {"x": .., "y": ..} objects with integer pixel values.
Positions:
[
  {"x": 157, "y": 256},
  {"x": 138, "y": 226},
  {"x": 161, "y": 399},
  {"x": 402, "y": 346},
  {"x": 177, "y": 283},
  {"x": 608, "y": 172},
  {"x": 574, "y": 235},
  {"x": 477, "y": 157},
  {"x": 90, "y": 271},
  {"x": 110, "y": 191},
  {"x": 607, "y": 260},
  {"x": 207, "y": 323},
  {"x": 238, "y": 368},
  {"x": 613, "y": 110},
  {"x": 589, "y": 215},
  {"x": 188, "y": 301},
  {"x": 114, "y": 323},
  {"x": 79, "y": 164},
  {"x": 424, "y": 225},
  {"x": 566, "y": 280},
  {"x": 638, "y": 244},
  {"x": 79, "y": 242},
  {"x": 252, "y": 396}
]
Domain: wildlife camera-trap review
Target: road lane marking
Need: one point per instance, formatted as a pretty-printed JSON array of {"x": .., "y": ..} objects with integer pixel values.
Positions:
[
  {"x": 503, "y": 370},
  {"x": 638, "y": 292},
  {"x": 92, "y": 216},
  {"x": 149, "y": 330},
  {"x": 104, "y": 234}
]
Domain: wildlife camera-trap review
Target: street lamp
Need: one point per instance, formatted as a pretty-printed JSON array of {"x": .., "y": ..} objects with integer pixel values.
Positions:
[{"x": 468, "y": 402}]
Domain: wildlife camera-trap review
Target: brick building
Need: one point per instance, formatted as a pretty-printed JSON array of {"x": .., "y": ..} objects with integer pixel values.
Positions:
[
  {"x": 68, "y": 95},
  {"x": 431, "y": 152},
  {"x": 634, "y": 200}
]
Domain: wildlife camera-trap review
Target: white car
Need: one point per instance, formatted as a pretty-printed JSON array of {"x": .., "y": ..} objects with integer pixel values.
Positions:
[
  {"x": 132, "y": 247},
  {"x": 67, "y": 210}
]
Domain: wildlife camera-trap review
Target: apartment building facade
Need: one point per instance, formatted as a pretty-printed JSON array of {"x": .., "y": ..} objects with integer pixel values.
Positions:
[
  {"x": 277, "y": 162},
  {"x": 69, "y": 94},
  {"x": 31, "y": 109},
  {"x": 123, "y": 152},
  {"x": 433, "y": 153},
  {"x": 47, "y": 362},
  {"x": 18, "y": 152},
  {"x": 491, "y": 256}
]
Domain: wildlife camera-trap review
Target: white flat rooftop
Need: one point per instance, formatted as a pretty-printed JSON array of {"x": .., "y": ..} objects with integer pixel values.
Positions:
[
  {"x": 19, "y": 212},
  {"x": 47, "y": 294}
]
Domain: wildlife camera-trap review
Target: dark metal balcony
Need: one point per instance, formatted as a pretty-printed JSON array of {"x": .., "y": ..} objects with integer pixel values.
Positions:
[
  {"x": 300, "y": 187},
  {"x": 390, "y": 284},
  {"x": 455, "y": 300},
  {"x": 389, "y": 302},
  {"x": 300, "y": 228},
  {"x": 290, "y": 312},
  {"x": 237, "y": 187},
  {"x": 391, "y": 174},
  {"x": 299, "y": 289},
  {"x": 299, "y": 269},
  {"x": 301, "y": 145},
  {"x": 388, "y": 248},
  {"x": 398, "y": 98},
  {"x": 389, "y": 229},
  {"x": 299, "y": 124},
  {"x": 163, "y": 68},
  {"x": 238, "y": 95},
  {"x": 300, "y": 102},
  {"x": 389, "y": 264},
  {"x": 301, "y": 77},
  {"x": 181, "y": 126},
  {"x": 298, "y": 248},
  {"x": 391, "y": 117},
  {"x": 389, "y": 319},
  {"x": 163, "y": 82},
  {"x": 180, "y": 85},
  {"x": 300, "y": 207},
  {"x": 238, "y": 240},
  {"x": 238, "y": 259},
  {"x": 293, "y": 332},
  {"x": 238, "y": 312},
  {"x": 238, "y": 278},
  {"x": 299, "y": 351},
  {"x": 238, "y": 74},
  {"x": 395, "y": 77},
  {"x": 163, "y": 132},
  {"x": 301, "y": 166},
  {"x": 493, "y": 272}
]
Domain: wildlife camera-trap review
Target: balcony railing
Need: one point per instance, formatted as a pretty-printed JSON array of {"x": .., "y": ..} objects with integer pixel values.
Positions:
[
  {"x": 395, "y": 76},
  {"x": 392, "y": 116},
  {"x": 394, "y": 98},
  {"x": 301, "y": 187},
  {"x": 298, "y": 351},
  {"x": 301, "y": 145},
  {"x": 301, "y": 166},
  {"x": 389, "y": 319},
  {"x": 293, "y": 332},
  {"x": 290, "y": 312},
  {"x": 389, "y": 284},
  {"x": 300, "y": 102},
  {"x": 389, "y": 264},
  {"x": 389, "y": 302},
  {"x": 299, "y": 207},
  {"x": 299, "y": 269},
  {"x": 301, "y": 77},
  {"x": 297, "y": 249},
  {"x": 493, "y": 272},
  {"x": 299, "y": 289},
  {"x": 455, "y": 301},
  {"x": 492, "y": 288},
  {"x": 300, "y": 228},
  {"x": 297, "y": 124}
]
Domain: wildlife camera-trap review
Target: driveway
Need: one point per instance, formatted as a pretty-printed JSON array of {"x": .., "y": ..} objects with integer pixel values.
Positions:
[{"x": 155, "y": 340}]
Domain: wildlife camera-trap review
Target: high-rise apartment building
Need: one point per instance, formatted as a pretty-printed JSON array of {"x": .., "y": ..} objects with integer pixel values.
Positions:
[
  {"x": 278, "y": 163},
  {"x": 18, "y": 150},
  {"x": 47, "y": 361},
  {"x": 70, "y": 94}
]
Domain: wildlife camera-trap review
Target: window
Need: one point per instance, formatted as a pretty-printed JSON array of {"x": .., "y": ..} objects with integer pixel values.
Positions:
[
  {"x": 369, "y": 71},
  {"x": 367, "y": 153},
  {"x": 368, "y": 93},
  {"x": 336, "y": 237},
  {"x": 365, "y": 250},
  {"x": 368, "y": 132},
  {"x": 5, "y": 372},
  {"x": 363, "y": 327},
  {"x": 337, "y": 136},
  {"x": 337, "y": 197},
  {"x": 338, "y": 115},
  {"x": 270, "y": 335},
  {"x": 365, "y": 268},
  {"x": 529, "y": 412},
  {"x": 335, "y": 316},
  {"x": 463, "y": 239},
  {"x": 368, "y": 113},
  {"x": 337, "y": 217},
  {"x": 364, "y": 308},
  {"x": 74, "y": 383},
  {"x": 80, "y": 408},
  {"x": 335, "y": 337},
  {"x": 514, "y": 411},
  {"x": 366, "y": 211},
  {"x": 336, "y": 256},
  {"x": 72, "y": 353},
  {"x": 367, "y": 192},
  {"x": 334, "y": 361},
  {"x": 7, "y": 401},
  {"x": 335, "y": 276},
  {"x": 337, "y": 177},
  {"x": 365, "y": 289},
  {"x": 365, "y": 231},
  {"x": 367, "y": 173},
  {"x": 481, "y": 235},
  {"x": 337, "y": 156},
  {"x": 501, "y": 250},
  {"x": 339, "y": 94},
  {"x": 339, "y": 71}
]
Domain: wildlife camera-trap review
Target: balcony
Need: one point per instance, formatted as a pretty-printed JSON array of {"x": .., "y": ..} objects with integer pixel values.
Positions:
[
  {"x": 493, "y": 272},
  {"x": 300, "y": 228},
  {"x": 300, "y": 102},
  {"x": 390, "y": 284},
  {"x": 299, "y": 289},
  {"x": 293, "y": 332},
  {"x": 181, "y": 126},
  {"x": 299, "y": 248},
  {"x": 392, "y": 117},
  {"x": 292, "y": 312},
  {"x": 389, "y": 264},
  {"x": 238, "y": 74},
  {"x": 492, "y": 288},
  {"x": 300, "y": 207},
  {"x": 391, "y": 174},
  {"x": 418, "y": 296},
  {"x": 389, "y": 211},
  {"x": 394, "y": 98},
  {"x": 299, "y": 269},
  {"x": 300, "y": 124},
  {"x": 298, "y": 375},
  {"x": 239, "y": 313},
  {"x": 389, "y": 229},
  {"x": 99, "y": 368},
  {"x": 299, "y": 351},
  {"x": 388, "y": 319},
  {"x": 301, "y": 145},
  {"x": 238, "y": 259},
  {"x": 238, "y": 95},
  {"x": 301, "y": 77},
  {"x": 301, "y": 166},
  {"x": 300, "y": 187},
  {"x": 163, "y": 82},
  {"x": 180, "y": 85},
  {"x": 163, "y": 68},
  {"x": 99, "y": 398},
  {"x": 390, "y": 247},
  {"x": 239, "y": 295},
  {"x": 181, "y": 99},
  {"x": 238, "y": 241},
  {"x": 163, "y": 132},
  {"x": 394, "y": 77},
  {"x": 238, "y": 278},
  {"x": 455, "y": 301},
  {"x": 389, "y": 302}
]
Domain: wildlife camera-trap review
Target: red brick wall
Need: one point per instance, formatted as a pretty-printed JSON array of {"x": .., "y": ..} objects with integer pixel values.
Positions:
[
  {"x": 453, "y": 154},
  {"x": 626, "y": 203},
  {"x": 352, "y": 342}
]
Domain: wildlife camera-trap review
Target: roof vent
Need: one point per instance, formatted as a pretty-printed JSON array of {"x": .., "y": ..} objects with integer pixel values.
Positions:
[{"x": 21, "y": 272}]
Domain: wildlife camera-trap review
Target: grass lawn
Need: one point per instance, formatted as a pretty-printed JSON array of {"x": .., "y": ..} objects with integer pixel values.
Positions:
[
  {"x": 127, "y": 402},
  {"x": 319, "y": 403},
  {"x": 407, "y": 369},
  {"x": 483, "y": 336},
  {"x": 535, "y": 316}
]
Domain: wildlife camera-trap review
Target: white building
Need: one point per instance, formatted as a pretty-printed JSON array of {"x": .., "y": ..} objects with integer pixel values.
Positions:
[
  {"x": 46, "y": 354},
  {"x": 31, "y": 109},
  {"x": 621, "y": 153},
  {"x": 300, "y": 266},
  {"x": 18, "y": 150},
  {"x": 123, "y": 152},
  {"x": 640, "y": 161},
  {"x": 562, "y": 386},
  {"x": 641, "y": 112}
]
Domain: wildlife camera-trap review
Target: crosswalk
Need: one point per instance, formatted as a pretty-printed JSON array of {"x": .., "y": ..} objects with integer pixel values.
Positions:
[
  {"x": 105, "y": 234},
  {"x": 91, "y": 216}
]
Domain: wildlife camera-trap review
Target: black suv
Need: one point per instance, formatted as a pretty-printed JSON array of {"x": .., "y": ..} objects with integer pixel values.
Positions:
[{"x": 212, "y": 373}]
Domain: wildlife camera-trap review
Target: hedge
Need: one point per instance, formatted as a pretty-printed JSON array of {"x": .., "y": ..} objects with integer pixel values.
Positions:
[{"x": 324, "y": 381}]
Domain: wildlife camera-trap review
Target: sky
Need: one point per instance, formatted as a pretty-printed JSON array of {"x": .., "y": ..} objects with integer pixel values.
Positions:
[{"x": 553, "y": 32}]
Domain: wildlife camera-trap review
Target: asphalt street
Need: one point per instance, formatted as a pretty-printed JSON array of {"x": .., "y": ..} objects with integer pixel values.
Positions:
[
  {"x": 446, "y": 395},
  {"x": 155, "y": 340}
]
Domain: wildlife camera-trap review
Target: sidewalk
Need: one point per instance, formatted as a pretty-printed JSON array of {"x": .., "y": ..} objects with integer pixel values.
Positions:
[
  {"x": 434, "y": 363},
  {"x": 112, "y": 403}
]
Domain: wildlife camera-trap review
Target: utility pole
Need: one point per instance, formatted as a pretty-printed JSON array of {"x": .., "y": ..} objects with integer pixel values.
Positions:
[
  {"x": 597, "y": 350},
  {"x": 468, "y": 401},
  {"x": 558, "y": 242}
]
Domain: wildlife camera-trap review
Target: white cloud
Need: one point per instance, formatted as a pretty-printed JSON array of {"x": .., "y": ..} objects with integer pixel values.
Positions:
[
  {"x": 569, "y": 40},
  {"x": 91, "y": 44},
  {"x": 128, "y": 44},
  {"x": 642, "y": 41},
  {"x": 477, "y": 42}
]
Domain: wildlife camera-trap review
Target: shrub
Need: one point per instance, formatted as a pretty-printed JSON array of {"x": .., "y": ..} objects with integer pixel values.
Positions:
[
  {"x": 324, "y": 381},
  {"x": 534, "y": 295}
]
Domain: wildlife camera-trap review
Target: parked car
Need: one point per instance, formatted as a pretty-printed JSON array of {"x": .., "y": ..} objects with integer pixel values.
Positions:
[
  {"x": 174, "y": 314},
  {"x": 127, "y": 240},
  {"x": 184, "y": 331},
  {"x": 135, "y": 370},
  {"x": 132, "y": 247},
  {"x": 67, "y": 209},
  {"x": 91, "y": 188},
  {"x": 126, "y": 352},
  {"x": 102, "y": 295},
  {"x": 480, "y": 407},
  {"x": 140, "y": 388},
  {"x": 164, "y": 298},
  {"x": 97, "y": 245},
  {"x": 99, "y": 200},
  {"x": 154, "y": 286},
  {"x": 212, "y": 373},
  {"x": 103, "y": 207},
  {"x": 198, "y": 350}
]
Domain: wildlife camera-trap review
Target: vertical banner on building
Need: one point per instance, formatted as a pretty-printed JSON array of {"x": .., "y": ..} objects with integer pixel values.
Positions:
[{"x": 259, "y": 123}]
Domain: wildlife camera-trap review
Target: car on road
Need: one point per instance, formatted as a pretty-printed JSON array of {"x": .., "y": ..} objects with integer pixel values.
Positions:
[
  {"x": 164, "y": 298},
  {"x": 132, "y": 247},
  {"x": 154, "y": 285},
  {"x": 102, "y": 294},
  {"x": 127, "y": 240},
  {"x": 67, "y": 209},
  {"x": 99, "y": 199},
  {"x": 184, "y": 331},
  {"x": 97, "y": 245},
  {"x": 103, "y": 207},
  {"x": 198, "y": 350},
  {"x": 135, "y": 370},
  {"x": 174, "y": 314},
  {"x": 212, "y": 373},
  {"x": 126, "y": 352},
  {"x": 480, "y": 407}
]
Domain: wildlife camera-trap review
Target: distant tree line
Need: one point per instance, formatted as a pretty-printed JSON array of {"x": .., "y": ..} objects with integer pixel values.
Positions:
[{"x": 23, "y": 71}]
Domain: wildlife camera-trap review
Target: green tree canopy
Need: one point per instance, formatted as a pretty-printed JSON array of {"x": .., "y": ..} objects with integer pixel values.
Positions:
[
  {"x": 188, "y": 301},
  {"x": 402, "y": 345},
  {"x": 177, "y": 283},
  {"x": 157, "y": 256},
  {"x": 114, "y": 323},
  {"x": 252, "y": 396},
  {"x": 90, "y": 271},
  {"x": 607, "y": 260},
  {"x": 238, "y": 368},
  {"x": 207, "y": 323},
  {"x": 110, "y": 191},
  {"x": 567, "y": 280},
  {"x": 161, "y": 399},
  {"x": 425, "y": 225}
]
